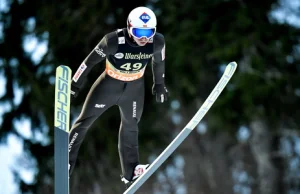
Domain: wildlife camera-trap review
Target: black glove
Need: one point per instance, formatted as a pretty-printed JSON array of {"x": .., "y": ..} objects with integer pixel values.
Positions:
[
  {"x": 161, "y": 92},
  {"x": 74, "y": 91}
]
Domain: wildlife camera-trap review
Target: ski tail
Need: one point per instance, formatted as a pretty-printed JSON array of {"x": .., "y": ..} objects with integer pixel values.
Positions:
[
  {"x": 61, "y": 129},
  {"x": 228, "y": 73}
]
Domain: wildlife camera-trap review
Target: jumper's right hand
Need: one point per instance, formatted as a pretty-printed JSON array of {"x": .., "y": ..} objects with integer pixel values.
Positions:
[
  {"x": 161, "y": 92},
  {"x": 74, "y": 91}
]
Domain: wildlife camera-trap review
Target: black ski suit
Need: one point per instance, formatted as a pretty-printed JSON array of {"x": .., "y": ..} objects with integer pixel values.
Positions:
[{"x": 122, "y": 84}]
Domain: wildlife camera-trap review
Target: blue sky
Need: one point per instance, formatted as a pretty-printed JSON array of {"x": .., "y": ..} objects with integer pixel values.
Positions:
[{"x": 11, "y": 154}]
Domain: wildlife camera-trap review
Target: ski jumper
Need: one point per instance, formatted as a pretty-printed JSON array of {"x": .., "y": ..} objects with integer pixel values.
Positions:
[{"x": 122, "y": 84}]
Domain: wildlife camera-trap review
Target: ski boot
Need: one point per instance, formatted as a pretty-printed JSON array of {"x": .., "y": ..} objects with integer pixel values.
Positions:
[{"x": 138, "y": 171}]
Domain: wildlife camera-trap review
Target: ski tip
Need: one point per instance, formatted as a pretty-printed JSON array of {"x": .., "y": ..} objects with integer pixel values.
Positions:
[
  {"x": 63, "y": 67},
  {"x": 233, "y": 63},
  {"x": 230, "y": 69}
]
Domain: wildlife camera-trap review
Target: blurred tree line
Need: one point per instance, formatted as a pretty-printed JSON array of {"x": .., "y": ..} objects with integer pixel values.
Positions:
[{"x": 247, "y": 143}]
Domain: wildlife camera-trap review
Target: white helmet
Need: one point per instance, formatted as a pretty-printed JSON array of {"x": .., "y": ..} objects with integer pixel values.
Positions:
[{"x": 141, "y": 22}]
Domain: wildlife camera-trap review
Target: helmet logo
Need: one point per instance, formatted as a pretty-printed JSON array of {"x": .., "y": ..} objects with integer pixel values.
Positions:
[{"x": 145, "y": 17}]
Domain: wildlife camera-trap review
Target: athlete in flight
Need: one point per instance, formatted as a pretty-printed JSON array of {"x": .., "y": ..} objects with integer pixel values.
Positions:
[{"x": 126, "y": 53}]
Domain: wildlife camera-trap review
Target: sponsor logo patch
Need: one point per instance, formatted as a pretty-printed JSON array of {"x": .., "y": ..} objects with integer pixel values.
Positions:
[
  {"x": 134, "y": 109},
  {"x": 100, "y": 51},
  {"x": 121, "y": 40},
  {"x": 72, "y": 141},
  {"x": 119, "y": 55},
  {"x": 145, "y": 17},
  {"x": 99, "y": 105},
  {"x": 79, "y": 71},
  {"x": 138, "y": 56}
]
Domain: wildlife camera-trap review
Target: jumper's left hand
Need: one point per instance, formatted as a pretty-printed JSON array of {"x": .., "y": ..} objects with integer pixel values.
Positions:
[{"x": 161, "y": 92}]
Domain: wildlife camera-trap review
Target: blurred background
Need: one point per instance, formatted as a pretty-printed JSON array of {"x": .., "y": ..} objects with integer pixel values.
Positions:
[{"x": 248, "y": 143}]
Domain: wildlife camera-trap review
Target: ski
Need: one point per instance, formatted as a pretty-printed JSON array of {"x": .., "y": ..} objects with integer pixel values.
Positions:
[
  {"x": 228, "y": 73},
  {"x": 61, "y": 129}
]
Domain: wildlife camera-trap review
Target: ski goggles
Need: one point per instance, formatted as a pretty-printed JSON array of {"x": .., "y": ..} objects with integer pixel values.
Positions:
[{"x": 142, "y": 32}]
